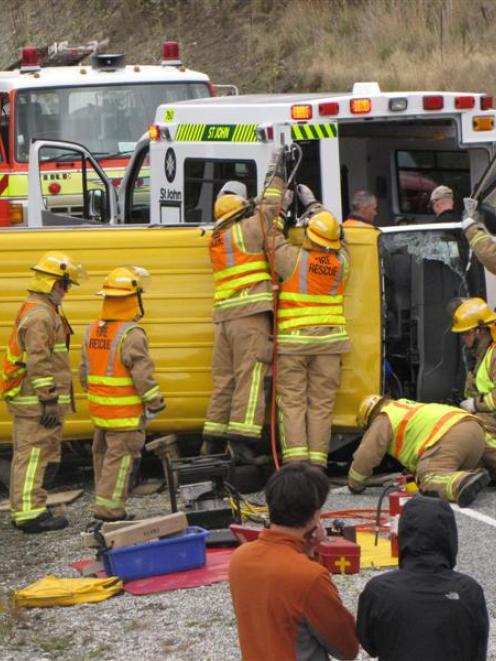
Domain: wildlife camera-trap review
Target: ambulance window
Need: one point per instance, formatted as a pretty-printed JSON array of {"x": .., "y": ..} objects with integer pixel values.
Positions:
[
  {"x": 420, "y": 171},
  {"x": 204, "y": 178}
]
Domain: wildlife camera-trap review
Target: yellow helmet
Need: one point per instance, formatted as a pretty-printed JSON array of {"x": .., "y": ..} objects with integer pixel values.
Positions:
[
  {"x": 324, "y": 230},
  {"x": 228, "y": 207},
  {"x": 472, "y": 313},
  {"x": 366, "y": 408},
  {"x": 55, "y": 265},
  {"x": 125, "y": 281}
]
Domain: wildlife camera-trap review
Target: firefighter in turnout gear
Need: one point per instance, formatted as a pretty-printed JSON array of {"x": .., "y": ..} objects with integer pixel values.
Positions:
[
  {"x": 36, "y": 385},
  {"x": 475, "y": 321},
  {"x": 117, "y": 372},
  {"x": 243, "y": 302},
  {"x": 443, "y": 445},
  {"x": 311, "y": 332},
  {"x": 479, "y": 239}
]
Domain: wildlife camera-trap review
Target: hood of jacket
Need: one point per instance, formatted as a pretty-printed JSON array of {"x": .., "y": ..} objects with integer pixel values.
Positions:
[{"x": 427, "y": 535}]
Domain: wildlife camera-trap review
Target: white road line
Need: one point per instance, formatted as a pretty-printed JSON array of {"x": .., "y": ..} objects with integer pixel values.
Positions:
[{"x": 473, "y": 514}]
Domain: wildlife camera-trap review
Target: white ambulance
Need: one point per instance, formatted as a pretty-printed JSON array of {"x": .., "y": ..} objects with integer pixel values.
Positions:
[{"x": 396, "y": 145}]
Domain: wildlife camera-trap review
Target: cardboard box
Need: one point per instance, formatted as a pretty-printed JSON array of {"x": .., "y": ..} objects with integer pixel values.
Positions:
[
  {"x": 339, "y": 555},
  {"x": 138, "y": 532}
]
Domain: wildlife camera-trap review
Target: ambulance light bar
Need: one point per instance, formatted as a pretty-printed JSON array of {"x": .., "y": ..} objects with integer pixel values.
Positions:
[
  {"x": 433, "y": 102},
  {"x": 486, "y": 102},
  {"x": 360, "y": 106},
  {"x": 464, "y": 102},
  {"x": 398, "y": 104},
  {"x": 483, "y": 123},
  {"x": 330, "y": 108},
  {"x": 265, "y": 133},
  {"x": 301, "y": 112},
  {"x": 30, "y": 60}
]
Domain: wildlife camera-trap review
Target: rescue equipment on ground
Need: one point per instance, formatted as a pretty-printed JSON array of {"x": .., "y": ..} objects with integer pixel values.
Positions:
[
  {"x": 339, "y": 555},
  {"x": 54, "y": 591}
]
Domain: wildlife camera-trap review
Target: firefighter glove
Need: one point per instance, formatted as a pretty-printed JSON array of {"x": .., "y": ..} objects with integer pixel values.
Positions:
[
  {"x": 305, "y": 195},
  {"x": 470, "y": 212},
  {"x": 50, "y": 414},
  {"x": 468, "y": 405},
  {"x": 152, "y": 412}
]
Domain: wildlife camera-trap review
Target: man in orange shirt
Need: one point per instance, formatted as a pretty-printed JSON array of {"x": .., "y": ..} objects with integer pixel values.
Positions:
[
  {"x": 363, "y": 210},
  {"x": 286, "y": 605}
]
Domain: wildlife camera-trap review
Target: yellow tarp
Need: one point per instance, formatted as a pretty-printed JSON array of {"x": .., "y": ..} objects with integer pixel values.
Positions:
[
  {"x": 53, "y": 591},
  {"x": 375, "y": 556}
]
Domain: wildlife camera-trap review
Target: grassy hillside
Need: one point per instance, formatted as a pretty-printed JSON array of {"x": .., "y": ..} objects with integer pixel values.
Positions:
[{"x": 264, "y": 45}]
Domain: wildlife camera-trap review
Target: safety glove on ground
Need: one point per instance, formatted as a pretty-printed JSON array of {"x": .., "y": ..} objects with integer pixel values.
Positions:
[{"x": 50, "y": 414}]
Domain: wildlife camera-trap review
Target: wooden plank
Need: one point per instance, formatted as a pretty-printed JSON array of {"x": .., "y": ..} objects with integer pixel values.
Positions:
[{"x": 60, "y": 498}]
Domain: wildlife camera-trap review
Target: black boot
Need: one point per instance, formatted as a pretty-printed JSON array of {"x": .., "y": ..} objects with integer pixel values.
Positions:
[
  {"x": 214, "y": 445},
  {"x": 242, "y": 451},
  {"x": 113, "y": 519},
  {"x": 471, "y": 486},
  {"x": 46, "y": 522}
]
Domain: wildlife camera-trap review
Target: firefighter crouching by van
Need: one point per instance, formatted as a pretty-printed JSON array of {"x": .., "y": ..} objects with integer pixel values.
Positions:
[
  {"x": 117, "y": 371},
  {"x": 243, "y": 302},
  {"x": 36, "y": 384},
  {"x": 476, "y": 322},
  {"x": 443, "y": 445},
  {"x": 311, "y": 332}
]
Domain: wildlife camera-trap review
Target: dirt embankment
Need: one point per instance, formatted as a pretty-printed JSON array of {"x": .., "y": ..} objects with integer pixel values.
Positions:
[{"x": 268, "y": 46}]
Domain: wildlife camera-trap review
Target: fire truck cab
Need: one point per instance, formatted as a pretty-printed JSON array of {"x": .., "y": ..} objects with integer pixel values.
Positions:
[{"x": 105, "y": 105}]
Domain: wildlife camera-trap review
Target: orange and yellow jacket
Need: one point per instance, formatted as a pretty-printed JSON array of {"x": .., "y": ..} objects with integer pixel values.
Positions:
[{"x": 36, "y": 365}]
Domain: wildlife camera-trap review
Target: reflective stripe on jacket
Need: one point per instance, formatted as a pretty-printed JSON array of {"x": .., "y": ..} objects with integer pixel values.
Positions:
[
  {"x": 313, "y": 294},
  {"x": 113, "y": 401},
  {"x": 236, "y": 269},
  {"x": 417, "y": 427}
]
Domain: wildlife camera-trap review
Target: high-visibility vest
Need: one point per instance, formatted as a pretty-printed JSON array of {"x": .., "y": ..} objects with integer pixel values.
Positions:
[
  {"x": 14, "y": 362},
  {"x": 113, "y": 401},
  {"x": 417, "y": 427},
  {"x": 313, "y": 294},
  {"x": 354, "y": 222},
  {"x": 236, "y": 269},
  {"x": 483, "y": 382}
]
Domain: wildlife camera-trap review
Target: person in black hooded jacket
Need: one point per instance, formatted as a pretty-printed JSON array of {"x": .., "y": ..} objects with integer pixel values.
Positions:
[{"x": 424, "y": 611}]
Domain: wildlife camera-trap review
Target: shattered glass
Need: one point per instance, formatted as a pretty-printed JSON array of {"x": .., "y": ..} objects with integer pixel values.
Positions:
[{"x": 434, "y": 245}]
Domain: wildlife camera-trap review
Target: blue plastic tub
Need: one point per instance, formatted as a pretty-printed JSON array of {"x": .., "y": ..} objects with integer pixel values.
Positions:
[{"x": 177, "y": 553}]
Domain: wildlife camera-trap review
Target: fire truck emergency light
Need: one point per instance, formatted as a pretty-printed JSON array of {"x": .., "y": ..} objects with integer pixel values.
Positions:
[
  {"x": 360, "y": 106},
  {"x": 170, "y": 54},
  {"x": 30, "y": 59}
]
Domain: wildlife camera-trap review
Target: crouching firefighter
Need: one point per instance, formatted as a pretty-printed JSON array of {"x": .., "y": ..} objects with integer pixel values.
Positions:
[
  {"x": 311, "y": 331},
  {"x": 443, "y": 445},
  {"x": 117, "y": 371},
  {"x": 243, "y": 302},
  {"x": 476, "y": 322},
  {"x": 36, "y": 384}
]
